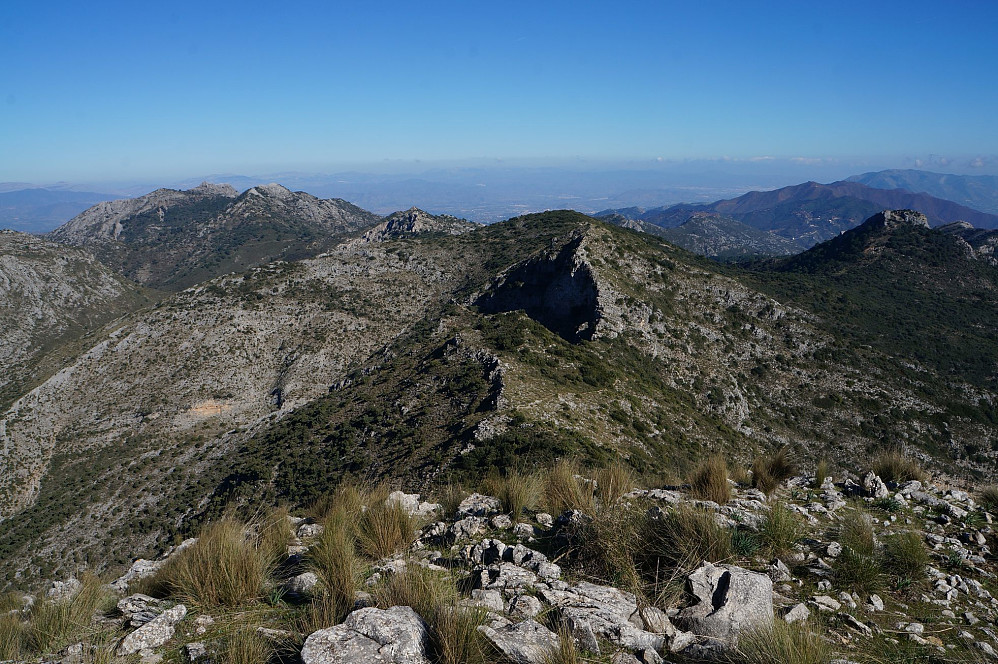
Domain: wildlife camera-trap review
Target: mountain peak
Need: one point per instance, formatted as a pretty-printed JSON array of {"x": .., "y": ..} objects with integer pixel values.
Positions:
[
  {"x": 211, "y": 189},
  {"x": 271, "y": 189}
]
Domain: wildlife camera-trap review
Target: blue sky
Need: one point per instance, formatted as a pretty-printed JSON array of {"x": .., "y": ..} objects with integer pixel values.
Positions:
[{"x": 113, "y": 90}]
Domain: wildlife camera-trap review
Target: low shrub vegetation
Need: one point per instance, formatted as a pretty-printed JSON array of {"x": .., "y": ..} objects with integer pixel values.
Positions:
[
  {"x": 989, "y": 498},
  {"x": 709, "y": 481}
]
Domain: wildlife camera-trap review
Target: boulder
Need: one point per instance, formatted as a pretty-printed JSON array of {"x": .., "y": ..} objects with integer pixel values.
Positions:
[
  {"x": 154, "y": 633},
  {"x": 302, "y": 584},
  {"x": 140, "y": 569},
  {"x": 478, "y": 505},
  {"x": 410, "y": 503},
  {"x": 370, "y": 636},
  {"x": 611, "y": 614},
  {"x": 729, "y": 600},
  {"x": 527, "y": 642}
]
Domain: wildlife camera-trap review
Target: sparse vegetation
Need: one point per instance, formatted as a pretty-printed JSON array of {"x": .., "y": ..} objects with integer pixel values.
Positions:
[
  {"x": 989, "y": 497},
  {"x": 905, "y": 558},
  {"x": 53, "y": 624},
  {"x": 384, "y": 529},
  {"x": 246, "y": 646},
  {"x": 856, "y": 567},
  {"x": 709, "y": 481},
  {"x": 612, "y": 482},
  {"x": 820, "y": 472}
]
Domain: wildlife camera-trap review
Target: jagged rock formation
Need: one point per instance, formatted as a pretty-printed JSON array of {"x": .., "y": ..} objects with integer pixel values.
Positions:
[{"x": 175, "y": 239}]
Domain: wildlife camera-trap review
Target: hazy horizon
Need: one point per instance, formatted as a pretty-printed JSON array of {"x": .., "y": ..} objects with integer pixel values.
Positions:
[{"x": 115, "y": 92}]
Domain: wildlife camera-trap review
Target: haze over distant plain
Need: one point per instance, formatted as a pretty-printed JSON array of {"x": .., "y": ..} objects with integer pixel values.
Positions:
[{"x": 119, "y": 91}]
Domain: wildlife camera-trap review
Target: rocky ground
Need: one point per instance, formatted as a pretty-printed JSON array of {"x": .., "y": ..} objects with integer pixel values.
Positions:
[{"x": 523, "y": 579}]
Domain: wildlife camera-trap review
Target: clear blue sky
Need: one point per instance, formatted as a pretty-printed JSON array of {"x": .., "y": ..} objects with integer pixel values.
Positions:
[{"x": 109, "y": 90}]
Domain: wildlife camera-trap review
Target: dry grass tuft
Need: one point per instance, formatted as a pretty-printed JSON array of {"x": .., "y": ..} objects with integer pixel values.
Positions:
[
  {"x": 334, "y": 560},
  {"x": 989, "y": 498},
  {"x": 52, "y": 624},
  {"x": 384, "y": 530},
  {"x": 612, "y": 482},
  {"x": 896, "y": 467},
  {"x": 769, "y": 472},
  {"x": 781, "y": 528},
  {"x": 223, "y": 568},
  {"x": 273, "y": 536},
  {"x": 516, "y": 491},
  {"x": 710, "y": 481},
  {"x": 905, "y": 557},
  {"x": 782, "y": 643},
  {"x": 565, "y": 490},
  {"x": 820, "y": 472},
  {"x": 246, "y": 646}
]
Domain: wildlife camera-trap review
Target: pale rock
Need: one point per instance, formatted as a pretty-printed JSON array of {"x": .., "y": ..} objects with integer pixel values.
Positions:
[
  {"x": 154, "y": 633},
  {"x": 410, "y": 503},
  {"x": 874, "y": 603},
  {"x": 140, "y": 569},
  {"x": 525, "y": 606},
  {"x": 302, "y": 584},
  {"x": 308, "y": 530},
  {"x": 478, "y": 505},
  {"x": 370, "y": 636},
  {"x": 501, "y": 522},
  {"x": 825, "y": 603},
  {"x": 799, "y": 613},
  {"x": 834, "y": 550},
  {"x": 545, "y": 520},
  {"x": 528, "y": 642},
  {"x": 63, "y": 590},
  {"x": 874, "y": 486},
  {"x": 195, "y": 651},
  {"x": 729, "y": 599}
]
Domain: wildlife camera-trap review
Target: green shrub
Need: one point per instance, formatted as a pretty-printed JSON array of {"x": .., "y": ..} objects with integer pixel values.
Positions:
[
  {"x": 905, "y": 557},
  {"x": 896, "y": 467},
  {"x": 565, "y": 490},
  {"x": 223, "y": 568},
  {"x": 385, "y": 529},
  {"x": 780, "y": 642},
  {"x": 516, "y": 491},
  {"x": 710, "y": 481},
  {"x": 781, "y": 528}
]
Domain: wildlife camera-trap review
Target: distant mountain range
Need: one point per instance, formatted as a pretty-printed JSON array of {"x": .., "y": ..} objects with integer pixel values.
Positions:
[
  {"x": 979, "y": 192},
  {"x": 809, "y": 213}
]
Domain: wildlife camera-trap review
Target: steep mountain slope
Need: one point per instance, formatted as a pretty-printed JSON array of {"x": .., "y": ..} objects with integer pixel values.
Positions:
[
  {"x": 445, "y": 356},
  {"x": 979, "y": 192},
  {"x": 175, "y": 239},
  {"x": 50, "y": 294},
  {"x": 810, "y": 213},
  {"x": 714, "y": 236}
]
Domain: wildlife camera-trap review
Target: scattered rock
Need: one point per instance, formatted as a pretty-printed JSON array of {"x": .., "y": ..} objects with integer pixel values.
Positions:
[{"x": 527, "y": 642}]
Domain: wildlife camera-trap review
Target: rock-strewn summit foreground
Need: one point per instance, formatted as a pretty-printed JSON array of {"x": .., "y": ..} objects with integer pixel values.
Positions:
[{"x": 816, "y": 571}]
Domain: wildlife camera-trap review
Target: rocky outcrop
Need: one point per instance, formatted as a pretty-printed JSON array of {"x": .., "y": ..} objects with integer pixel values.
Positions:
[
  {"x": 154, "y": 633},
  {"x": 416, "y": 222}
]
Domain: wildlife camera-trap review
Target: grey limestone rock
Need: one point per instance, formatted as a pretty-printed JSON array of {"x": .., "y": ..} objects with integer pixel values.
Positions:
[
  {"x": 302, "y": 584},
  {"x": 154, "y": 633},
  {"x": 478, "y": 505},
  {"x": 527, "y": 642},
  {"x": 730, "y": 599},
  {"x": 370, "y": 636}
]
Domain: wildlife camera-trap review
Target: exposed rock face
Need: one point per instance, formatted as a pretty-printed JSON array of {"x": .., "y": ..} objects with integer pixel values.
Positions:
[
  {"x": 370, "y": 636},
  {"x": 729, "y": 600},
  {"x": 557, "y": 289},
  {"x": 891, "y": 219}
]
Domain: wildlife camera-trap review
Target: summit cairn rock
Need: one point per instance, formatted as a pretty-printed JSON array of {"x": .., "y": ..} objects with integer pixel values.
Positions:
[{"x": 730, "y": 599}]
